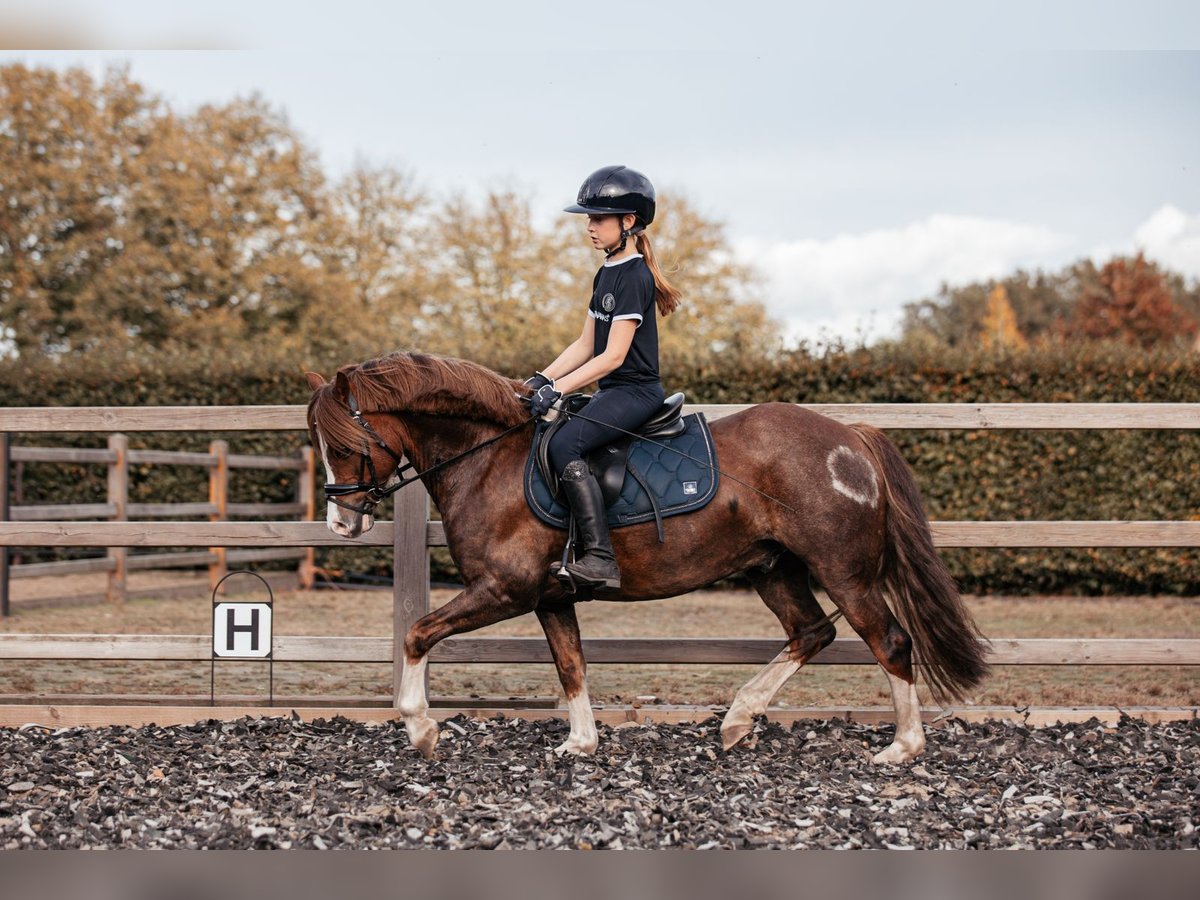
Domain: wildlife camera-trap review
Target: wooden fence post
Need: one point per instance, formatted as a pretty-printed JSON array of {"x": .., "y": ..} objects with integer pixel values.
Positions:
[
  {"x": 218, "y": 496},
  {"x": 410, "y": 573},
  {"x": 4, "y": 460},
  {"x": 118, "y": 496},
  {"x": 306, "y": 494}
]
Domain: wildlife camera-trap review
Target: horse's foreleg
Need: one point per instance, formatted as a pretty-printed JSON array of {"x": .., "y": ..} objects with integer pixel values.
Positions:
[
  {"x": 562, "y": 632},
  {"x": 479, "y": 605},
  {"x": 413, "y": 705}
]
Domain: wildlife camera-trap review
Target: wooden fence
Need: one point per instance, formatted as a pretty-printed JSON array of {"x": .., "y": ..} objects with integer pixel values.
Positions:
[
  {"x": 117, "y": 458},
  {"x": 411, "y": 534}
]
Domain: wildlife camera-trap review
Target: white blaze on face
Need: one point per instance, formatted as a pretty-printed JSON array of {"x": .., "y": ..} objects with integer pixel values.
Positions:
[{"x": 340, "y": 521}]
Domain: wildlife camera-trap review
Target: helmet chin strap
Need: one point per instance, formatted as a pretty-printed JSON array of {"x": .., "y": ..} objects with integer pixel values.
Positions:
[{"x": 626, "y": 234}]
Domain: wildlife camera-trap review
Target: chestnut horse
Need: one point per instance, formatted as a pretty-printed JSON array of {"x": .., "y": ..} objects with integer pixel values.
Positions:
[{"x": 806, "y": 495}]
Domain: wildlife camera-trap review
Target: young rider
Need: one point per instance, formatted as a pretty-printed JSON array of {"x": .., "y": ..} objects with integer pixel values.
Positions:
[{"x": 618, "y": 347}]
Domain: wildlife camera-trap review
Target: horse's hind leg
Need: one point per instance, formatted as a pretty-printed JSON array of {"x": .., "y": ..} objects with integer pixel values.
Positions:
[
  {"x": 868, "y": 614},
  {"x": 562, "y": 632},
  {"x": 785, "y": 590}
]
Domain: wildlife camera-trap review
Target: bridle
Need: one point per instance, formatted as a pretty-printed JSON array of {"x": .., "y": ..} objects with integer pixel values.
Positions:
[{"x": 377, "y": 491}]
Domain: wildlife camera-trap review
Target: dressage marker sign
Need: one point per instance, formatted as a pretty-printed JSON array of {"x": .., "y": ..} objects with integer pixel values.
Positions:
[{"x": 242, "y": 629}]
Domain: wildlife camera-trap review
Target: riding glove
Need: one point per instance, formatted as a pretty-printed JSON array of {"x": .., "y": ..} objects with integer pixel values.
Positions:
[
  {"x": 538, "y": 380},
  {"x": 545, "y": 397}
]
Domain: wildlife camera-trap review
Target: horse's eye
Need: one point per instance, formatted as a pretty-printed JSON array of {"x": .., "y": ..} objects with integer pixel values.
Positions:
[{"x": 342, "y": 454}]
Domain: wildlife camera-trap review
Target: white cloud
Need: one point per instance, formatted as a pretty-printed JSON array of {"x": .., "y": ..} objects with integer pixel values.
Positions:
[
  {"x": 855, "y": 285},
  {"x": 1171, "y": 237}
]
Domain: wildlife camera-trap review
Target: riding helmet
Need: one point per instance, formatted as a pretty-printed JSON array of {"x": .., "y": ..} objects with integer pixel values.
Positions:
[{"x": 617, "y": 190}]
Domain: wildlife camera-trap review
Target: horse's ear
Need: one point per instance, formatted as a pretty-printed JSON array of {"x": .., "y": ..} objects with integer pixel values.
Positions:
[
  {"x": 314, "y": 380},
  {"x": 341, "y": 384}
]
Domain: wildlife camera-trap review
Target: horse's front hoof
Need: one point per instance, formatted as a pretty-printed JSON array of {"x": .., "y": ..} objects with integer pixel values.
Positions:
[{"x": 423, "y": 734}]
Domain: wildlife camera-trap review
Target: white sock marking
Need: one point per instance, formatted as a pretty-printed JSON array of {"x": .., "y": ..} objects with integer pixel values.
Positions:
[
  {"x": 583, "y": 721},
  {"x": 412, "y": 702}
]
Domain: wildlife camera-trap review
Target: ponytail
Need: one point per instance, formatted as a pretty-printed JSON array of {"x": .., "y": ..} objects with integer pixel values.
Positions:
[{"x": 665, "y": 295}]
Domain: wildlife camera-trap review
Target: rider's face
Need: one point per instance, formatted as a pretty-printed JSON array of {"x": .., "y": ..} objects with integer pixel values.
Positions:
[{"x": 605, "y": 231}]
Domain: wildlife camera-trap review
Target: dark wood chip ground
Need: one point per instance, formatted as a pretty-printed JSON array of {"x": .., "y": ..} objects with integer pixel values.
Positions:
[{"x": 280, "y": 783}]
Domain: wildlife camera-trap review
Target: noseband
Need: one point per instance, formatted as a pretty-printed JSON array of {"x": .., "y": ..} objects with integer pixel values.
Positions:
[{"x": 375, "y": 490}]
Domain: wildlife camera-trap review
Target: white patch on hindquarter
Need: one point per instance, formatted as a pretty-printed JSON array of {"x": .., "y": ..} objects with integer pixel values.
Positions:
[{"x": 866, "y": 491}]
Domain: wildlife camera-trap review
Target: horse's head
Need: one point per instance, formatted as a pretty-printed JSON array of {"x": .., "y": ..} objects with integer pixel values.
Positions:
[{"x": 359, "y": 465}]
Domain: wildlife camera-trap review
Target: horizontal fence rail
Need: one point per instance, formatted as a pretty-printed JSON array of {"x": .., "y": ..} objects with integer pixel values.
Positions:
[
  {"x": 628, "y": 651},
  {"x": 954, "y": 416},
  {"x": 411, "y": 534},
  {"x": 316, "y": 534}
]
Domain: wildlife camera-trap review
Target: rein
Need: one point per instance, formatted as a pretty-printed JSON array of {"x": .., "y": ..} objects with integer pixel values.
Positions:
[{"x": 376, "y": 491}]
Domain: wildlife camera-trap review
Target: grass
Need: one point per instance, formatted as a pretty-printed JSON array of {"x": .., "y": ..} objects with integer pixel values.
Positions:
[{"x": 701, "y": 614}]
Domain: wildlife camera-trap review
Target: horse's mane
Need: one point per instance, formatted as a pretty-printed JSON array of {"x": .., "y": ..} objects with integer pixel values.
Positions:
[{"x": 419, "y": 383}]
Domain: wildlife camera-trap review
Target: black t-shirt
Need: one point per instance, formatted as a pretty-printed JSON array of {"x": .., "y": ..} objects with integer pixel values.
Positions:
[{"x": 625, "y": 290}]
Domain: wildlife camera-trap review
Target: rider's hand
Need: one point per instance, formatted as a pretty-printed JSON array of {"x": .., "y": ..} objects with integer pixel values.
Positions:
[
  {"x": 545, "y": 397},
  {"x": 537, "y": 380}
]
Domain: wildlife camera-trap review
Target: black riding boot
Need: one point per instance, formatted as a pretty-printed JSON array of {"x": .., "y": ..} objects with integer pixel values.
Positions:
[{"x": 597, "y": 567}]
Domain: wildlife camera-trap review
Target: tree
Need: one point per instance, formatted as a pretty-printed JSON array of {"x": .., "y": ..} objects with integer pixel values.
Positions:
[
  {"x": 128, "y": 224},
  {"x": 498, "y": 290},
  {"x": 1051, "y": 307},
  {"x": 125, "y": 225},
  {"x": 383, "y": 215},
  {"x": 1129, "y": 301},
  {"x": 999, "y": 330},
  {"x": 501, "y": 290},
  {"x": 955, "y": 317},
  {"x": 63, "y": 141}
]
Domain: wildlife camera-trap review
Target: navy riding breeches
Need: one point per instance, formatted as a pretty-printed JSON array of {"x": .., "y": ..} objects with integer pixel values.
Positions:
[{"x": 624, "y": 405}]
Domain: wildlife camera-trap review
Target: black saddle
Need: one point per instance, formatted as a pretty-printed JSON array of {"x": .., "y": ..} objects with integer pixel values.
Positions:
[{"x": 608, "y": 463}]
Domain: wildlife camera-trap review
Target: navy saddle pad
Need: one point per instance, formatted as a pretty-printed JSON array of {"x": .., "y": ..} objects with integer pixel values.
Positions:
[{"x": 679, "y": 484}]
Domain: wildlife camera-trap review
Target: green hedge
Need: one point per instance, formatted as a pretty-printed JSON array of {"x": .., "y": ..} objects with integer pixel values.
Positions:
[{"x": 997, "y": 475}]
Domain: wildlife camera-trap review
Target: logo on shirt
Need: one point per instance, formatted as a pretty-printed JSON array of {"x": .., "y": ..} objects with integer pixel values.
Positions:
[{"x": 608, "y": 302}]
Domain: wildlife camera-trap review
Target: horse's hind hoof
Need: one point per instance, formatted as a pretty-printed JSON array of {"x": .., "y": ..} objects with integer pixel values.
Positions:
[
  {"x": 733, "y": 732},
  {"x": 896, "y": 753}
]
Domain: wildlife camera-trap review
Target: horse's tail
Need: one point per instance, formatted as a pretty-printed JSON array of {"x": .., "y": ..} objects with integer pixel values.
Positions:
[{"x": 946, "y": 641}]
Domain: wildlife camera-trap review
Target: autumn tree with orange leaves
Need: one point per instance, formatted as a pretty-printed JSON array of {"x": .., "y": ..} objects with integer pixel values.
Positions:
[
  {"x": 1130, "y": 302},
  {"x": 999, "y": 330}
]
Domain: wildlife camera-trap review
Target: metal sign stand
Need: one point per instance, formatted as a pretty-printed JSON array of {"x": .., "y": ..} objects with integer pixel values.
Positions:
[{"x": 232, "y": 628}]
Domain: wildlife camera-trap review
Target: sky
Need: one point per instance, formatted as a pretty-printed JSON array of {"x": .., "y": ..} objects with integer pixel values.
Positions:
[{"x": 858, "y": 156}]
